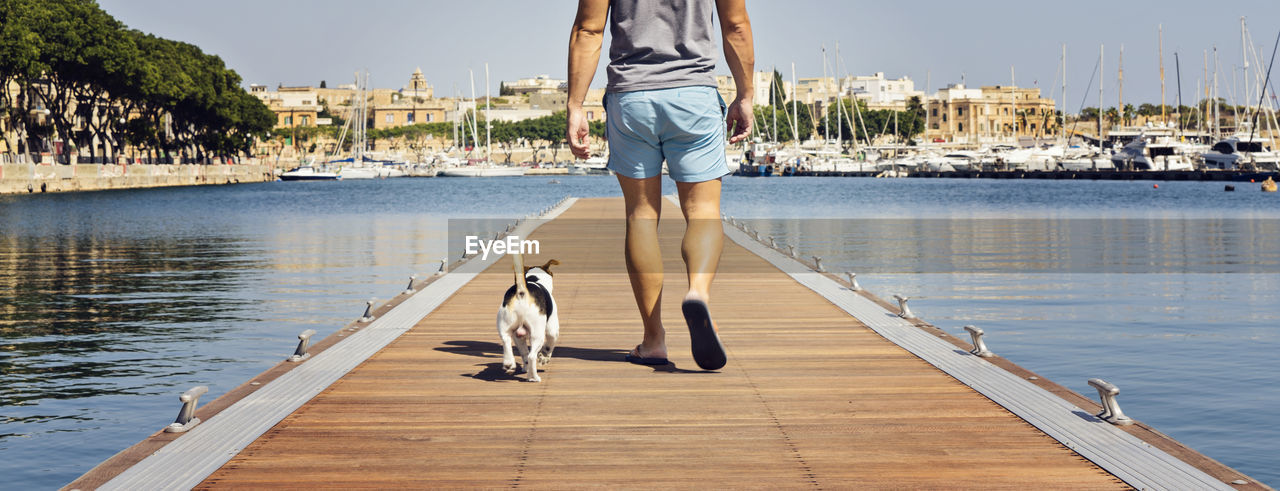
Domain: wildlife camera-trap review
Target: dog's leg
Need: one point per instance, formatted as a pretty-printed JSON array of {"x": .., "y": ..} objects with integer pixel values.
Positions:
[
  {"x": 505, "y": 320},
  {"x": 522, "y": 344},
  {"x": 537, "y": 336},
  {"x": 553, "y": 333}
]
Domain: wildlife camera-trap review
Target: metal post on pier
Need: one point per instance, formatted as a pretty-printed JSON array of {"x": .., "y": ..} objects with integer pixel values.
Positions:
[
  {"x": 409, "y": 289},
  {"x": 1111, "y": 412},
  {"x": 979, "y": 347},
  {"x": 905, "y": 311},
  {"x": 304, "y": 342},
  {"x": 853, "y": 282},
  {"x": 187, "y": 415},
  {"x": 368, "y": 311}
]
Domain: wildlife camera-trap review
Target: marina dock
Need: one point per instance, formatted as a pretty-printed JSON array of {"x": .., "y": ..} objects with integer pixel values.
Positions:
[{"x": 827, "y": 386}]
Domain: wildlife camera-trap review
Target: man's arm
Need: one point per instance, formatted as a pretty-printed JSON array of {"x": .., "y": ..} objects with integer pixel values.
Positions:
[
  {"x": 740, "y": 54},
  {"x": 584, "y": 57}
]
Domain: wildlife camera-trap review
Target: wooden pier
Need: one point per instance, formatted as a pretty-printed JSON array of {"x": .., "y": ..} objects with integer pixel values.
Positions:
[
  {"x": 811, "y": 397},
  {"x": 1084, "y": 175}
]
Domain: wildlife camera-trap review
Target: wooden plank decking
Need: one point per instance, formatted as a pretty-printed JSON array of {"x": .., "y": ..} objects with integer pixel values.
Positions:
[{"x": 810, "y": 398}]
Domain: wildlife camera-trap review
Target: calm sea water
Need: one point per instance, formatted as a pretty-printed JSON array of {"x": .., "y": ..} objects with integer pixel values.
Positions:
[{"x": 115, "y": 302}]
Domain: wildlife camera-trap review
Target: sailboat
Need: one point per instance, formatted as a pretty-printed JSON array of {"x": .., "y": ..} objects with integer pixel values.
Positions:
[
  {"x": 486, "y": 167},
  {"x": 309, "y": 172}
]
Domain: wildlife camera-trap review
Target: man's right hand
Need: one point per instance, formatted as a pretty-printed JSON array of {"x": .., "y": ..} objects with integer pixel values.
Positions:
[
  {"x": 740, "y": 120},
  {"x": 579, "y": 133}
]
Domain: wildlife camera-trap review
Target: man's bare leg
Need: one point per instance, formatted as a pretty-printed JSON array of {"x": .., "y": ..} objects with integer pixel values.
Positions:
[
  {"x": 703, "y": 235},
  {"x": 643, "y": 198}
]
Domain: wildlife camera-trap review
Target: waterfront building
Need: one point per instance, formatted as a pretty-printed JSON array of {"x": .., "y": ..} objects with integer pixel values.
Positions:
[
  {"x": 293, "y": 106},
  {"x": 729, "y": 90},
  {"x": 993, "y": 113},
  {"x": 541, "y": 84},
  {"x": 881, "y": 93}
]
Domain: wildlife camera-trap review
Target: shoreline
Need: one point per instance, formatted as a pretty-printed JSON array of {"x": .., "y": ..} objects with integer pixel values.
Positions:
[{"x": 56, "y": 178}]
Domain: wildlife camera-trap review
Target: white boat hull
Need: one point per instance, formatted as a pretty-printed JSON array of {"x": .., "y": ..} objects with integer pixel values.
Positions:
[{"x": 482, "y": 171}]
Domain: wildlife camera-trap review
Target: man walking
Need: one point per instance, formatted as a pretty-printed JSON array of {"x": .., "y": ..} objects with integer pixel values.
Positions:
[{"x": 662, "y": 104}]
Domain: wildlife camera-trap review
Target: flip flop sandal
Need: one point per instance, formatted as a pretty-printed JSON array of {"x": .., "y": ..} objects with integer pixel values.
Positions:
[{"x": 707, "y": 350}]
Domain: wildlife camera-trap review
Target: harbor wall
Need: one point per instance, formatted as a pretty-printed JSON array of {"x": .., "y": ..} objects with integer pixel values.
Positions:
[{"x": 23, "y": 178}]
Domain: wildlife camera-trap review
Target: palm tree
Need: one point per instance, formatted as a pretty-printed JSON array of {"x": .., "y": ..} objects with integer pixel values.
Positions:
[{"x": 1113, "y": 115}]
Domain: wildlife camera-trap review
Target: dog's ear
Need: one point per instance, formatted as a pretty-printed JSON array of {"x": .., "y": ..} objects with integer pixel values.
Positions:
[{"x": 547, "y": 267}]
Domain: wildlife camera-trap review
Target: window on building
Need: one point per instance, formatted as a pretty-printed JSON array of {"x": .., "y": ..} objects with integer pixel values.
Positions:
[
  {"x": 288, "y": 120},
  {"x": 959, "y": 111},
  {"x": 961, "y": 127},
  {"x": 944, "y": 118},
  {"x": 411, "y": 118},
  {"x": 429, "y": 117},
  {"x": 391, "y": 118},
  {"x": 591, "y": 115},
  {"x": 306, "y": 120},
  {"x": 935, "y": 112}
]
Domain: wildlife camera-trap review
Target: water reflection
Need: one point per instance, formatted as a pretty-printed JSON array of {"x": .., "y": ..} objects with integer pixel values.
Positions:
[
  {"x": 112, "y": 303},
  {"x": 1218, "y": 246}
]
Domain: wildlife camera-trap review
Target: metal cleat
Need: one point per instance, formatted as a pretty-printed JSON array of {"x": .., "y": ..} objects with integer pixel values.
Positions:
[
  {"x": 791, "y": 250},
  {"x": 853, "y": 282},
  {"x": 905, "y": 313},
  {"x": 304, "y": 341},
  {"x": 187, "y": 415},
  {"x": 979, "y": 347},
  {"x": 409, "y": 289},
  {"x": 817, "y": 264},
  {"x": 368, "y": 311},
  {"x": 1111, "y": 412}
]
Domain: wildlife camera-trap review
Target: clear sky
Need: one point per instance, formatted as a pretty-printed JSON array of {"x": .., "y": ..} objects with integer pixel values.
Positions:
[{"x": 301, "y": 42}]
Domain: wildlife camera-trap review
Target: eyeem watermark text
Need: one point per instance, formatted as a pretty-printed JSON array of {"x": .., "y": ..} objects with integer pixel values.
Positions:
[{"x": 506, "y": 245}]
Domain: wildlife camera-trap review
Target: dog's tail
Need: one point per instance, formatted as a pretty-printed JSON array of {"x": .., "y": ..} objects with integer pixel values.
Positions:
[{"x": 522, "y": 288}]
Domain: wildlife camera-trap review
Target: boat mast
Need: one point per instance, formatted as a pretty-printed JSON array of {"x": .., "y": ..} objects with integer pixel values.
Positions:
[
  {"x": 1164, "y": 114},
  {"x": 1217, "y": 128},
  {"x": 795, "y": 110},
  {"x": 1063, "y": 126},
  {"x": 773, "y": 102},
  {"x": 475, "y": 137},
  {"x": 826, "y": 128},
  {"x": 1178, "y": 110},
  {"x": 1120, "y": 85},
  {"x": 488, "y": 124},
  {"x": 1204, "y": 113},
  {"x": 839, "y": 103},
  {"x": 928, "y": 81},
  {"x": 1244, "y": 71},
  {"x": 1013, "y": 100},
  {"x": 1102, "y": 61}
]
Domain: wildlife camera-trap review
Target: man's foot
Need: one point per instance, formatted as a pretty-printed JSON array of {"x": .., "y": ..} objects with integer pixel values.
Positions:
[
  {"x": 707, "y": 350},
  {"x": 636, "y": 357}
]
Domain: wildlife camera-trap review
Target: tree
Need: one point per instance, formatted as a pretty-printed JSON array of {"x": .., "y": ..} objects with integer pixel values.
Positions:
[{"x": 87, "y": 69}]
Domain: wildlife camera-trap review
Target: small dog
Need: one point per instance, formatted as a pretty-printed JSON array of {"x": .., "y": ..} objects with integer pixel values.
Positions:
[{"x": 528, "y": 318}]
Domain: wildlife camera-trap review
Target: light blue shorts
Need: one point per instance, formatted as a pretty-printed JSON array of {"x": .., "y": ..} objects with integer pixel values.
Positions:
[{"x": 684, "y": 126}]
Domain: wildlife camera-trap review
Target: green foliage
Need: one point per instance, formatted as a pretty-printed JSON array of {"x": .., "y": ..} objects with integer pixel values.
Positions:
[
  {"x": 549, "y": 129},
  {"x": 128, "y": 87},
  {"x": 873, "y": 123},
  {"x": 765, "y": 116}
]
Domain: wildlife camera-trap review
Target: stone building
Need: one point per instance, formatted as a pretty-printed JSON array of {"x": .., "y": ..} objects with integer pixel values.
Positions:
[
  {"x": 729, "y": 90},
  {"x": 993, "y": 113},
  {"x": 293, "y": 106}
]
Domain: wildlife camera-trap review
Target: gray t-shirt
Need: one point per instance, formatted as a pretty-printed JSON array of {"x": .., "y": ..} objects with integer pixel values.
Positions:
[{"x": 661, "y": 44}]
